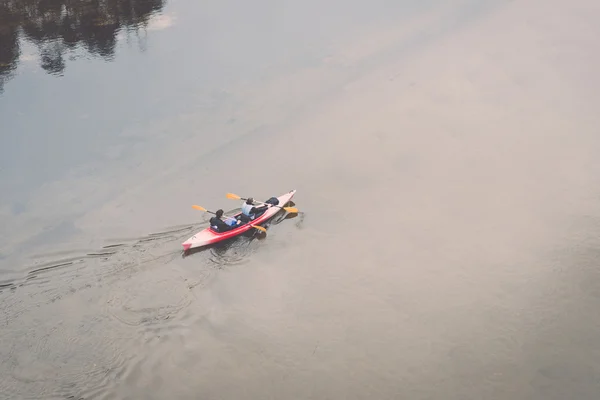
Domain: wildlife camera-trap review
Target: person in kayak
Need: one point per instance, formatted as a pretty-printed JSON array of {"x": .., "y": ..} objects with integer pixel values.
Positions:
[
  {"x": 251, "y": 211},
  {"x": 217, "y": 224}
]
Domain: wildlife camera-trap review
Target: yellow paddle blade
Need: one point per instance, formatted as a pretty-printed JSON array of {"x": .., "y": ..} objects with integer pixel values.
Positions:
[
  {"x": 292, "y": 210},
  {"x": 199, "y": 208},
  {"x": 233, "y": 196},
  {"x": 260, "y": 228}
]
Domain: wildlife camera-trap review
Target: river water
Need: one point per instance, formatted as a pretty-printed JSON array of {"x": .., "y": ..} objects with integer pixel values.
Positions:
[{"x": 446, "y": 160}]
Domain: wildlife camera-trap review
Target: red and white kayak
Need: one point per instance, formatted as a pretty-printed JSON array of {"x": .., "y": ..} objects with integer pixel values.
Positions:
[{"x": 208, "y": 236}]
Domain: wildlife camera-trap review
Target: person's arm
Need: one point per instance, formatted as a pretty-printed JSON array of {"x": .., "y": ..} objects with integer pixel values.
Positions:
[
  {"x": 256, "y": 210},
  {"x": 235, "y": 221}
]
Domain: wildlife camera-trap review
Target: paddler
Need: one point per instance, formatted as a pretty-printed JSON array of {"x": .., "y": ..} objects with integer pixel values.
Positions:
[
  {"x": 249, "y": 210},
  {"x": 219, "y": 225}
]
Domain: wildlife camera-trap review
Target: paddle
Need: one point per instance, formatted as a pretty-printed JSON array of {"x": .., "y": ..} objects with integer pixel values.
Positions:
[
  {"x": 232, "y": 196},
  {"x": 260, "y": 228}
]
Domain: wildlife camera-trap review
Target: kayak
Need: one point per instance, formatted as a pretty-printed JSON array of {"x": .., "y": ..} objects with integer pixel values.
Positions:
[{"x": 209, "y": 236}]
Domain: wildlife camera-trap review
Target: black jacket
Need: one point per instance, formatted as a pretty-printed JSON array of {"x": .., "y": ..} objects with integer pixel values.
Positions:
[{"x": 221, "y": 226}]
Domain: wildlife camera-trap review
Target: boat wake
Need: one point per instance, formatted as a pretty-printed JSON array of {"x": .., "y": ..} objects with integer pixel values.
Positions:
[
  {"x": 84, "y": 305},
  {"x": 106, "y": 264}
]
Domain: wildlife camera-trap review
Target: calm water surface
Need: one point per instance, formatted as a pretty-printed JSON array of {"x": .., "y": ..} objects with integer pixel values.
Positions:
[{"x": 445, "y": 157}]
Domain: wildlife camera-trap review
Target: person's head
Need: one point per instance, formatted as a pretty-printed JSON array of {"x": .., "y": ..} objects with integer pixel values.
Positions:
[
  {"x": 219, "y": 213},
  {"x": 250, "y": 200}
]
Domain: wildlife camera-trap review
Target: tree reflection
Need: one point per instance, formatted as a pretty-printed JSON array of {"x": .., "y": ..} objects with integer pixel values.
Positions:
[{"x": 55, "y": 26}]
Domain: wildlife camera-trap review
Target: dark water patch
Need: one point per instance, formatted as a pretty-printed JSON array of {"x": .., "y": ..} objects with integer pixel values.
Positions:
[
  {"x": 562, "y": 318},
  {"x": 58, "y": 27}
]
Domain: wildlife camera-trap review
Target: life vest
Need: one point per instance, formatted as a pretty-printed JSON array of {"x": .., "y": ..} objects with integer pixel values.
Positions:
[{"x": 246, "y": 208}]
